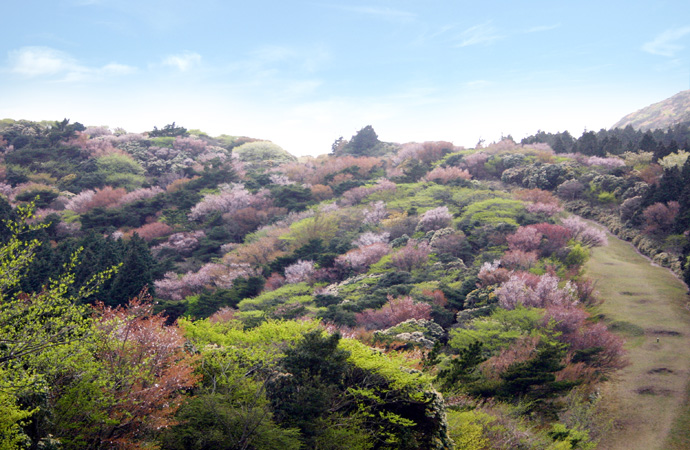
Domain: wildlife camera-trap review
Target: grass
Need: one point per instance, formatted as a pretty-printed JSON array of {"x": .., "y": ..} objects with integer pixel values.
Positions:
[{"x": 646, "y": 305}]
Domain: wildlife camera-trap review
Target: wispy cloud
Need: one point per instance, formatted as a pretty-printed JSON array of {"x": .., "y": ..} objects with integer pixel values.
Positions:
[
  {"x": 34, "y": 62},
  {"x": 381, "y": 13},
  {"x": 482, "y": 34},
  {"x": 183, "y": 61},
  {"x": 666, "y": 44},
  {"x": 540, "y": 28}
]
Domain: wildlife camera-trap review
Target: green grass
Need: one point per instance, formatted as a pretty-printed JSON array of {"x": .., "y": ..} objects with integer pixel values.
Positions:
[{"x": 647, "y": 306}]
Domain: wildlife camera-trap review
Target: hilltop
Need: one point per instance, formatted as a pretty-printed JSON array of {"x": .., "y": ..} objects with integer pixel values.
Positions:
[
  {"x": 262, "y": 282},
  {"x": 661, "y": 115}
]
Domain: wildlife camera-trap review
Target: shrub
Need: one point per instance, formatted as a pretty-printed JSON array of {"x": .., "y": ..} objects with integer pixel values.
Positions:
[
  {"x": 392, "y": 313},
  {"x": 435, "y": 219},
  {"x": 411, "y": 256},
  {"x": 445, "y": 175}
]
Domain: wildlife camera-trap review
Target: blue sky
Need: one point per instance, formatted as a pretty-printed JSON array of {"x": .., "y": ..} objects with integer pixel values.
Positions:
[{"x": 303, "y": 73}]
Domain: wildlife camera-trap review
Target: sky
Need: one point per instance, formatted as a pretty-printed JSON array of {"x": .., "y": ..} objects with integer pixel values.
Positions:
[{"x": 303, "y": 73}]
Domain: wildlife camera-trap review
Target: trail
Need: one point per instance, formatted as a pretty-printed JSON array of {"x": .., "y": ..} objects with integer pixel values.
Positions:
[{"x": 647, "y": 305}]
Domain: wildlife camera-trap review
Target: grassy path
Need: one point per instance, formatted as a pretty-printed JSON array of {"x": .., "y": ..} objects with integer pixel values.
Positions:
[{"x": 648, "y": 306}]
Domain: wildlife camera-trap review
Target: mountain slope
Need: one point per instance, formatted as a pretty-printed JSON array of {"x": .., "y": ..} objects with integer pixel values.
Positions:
[{"x": 661, "y": 115}]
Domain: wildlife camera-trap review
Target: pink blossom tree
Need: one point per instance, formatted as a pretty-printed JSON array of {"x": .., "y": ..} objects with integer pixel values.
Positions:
[
  {"x": 359, "y": 259},
  {"x": 445, "y": 175},
  {"x": 527, "y": 239},
  {"x": 299, "y": 272},
  {"x": 435, "y": 219},
  {"x": 411, "y": 256},
  {"x": 659, "y": 217},
  {"x": 587, "y": 235},
  {"x": 395, "y": 311}
]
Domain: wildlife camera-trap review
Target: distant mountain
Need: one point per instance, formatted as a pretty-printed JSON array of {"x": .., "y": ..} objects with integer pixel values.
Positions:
[{"x": 660, "y": 115}]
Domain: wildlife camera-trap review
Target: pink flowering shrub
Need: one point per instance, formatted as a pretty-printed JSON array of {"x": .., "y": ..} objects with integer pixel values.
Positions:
[
  {"x": 607, "y": 163},
  {"x": 375, "y": 213},
  {"x": 192, "y": 145},
  {"x": 151, "y": 231},
  {"x": 474, "y": 164},
  {"x": 444, "y": 175},
  {"x": 587, "y": 235},
  {"x": 392, "y": 313},
  {"x": 183, "y": 243},
  {"x": 660, "y": 217},
  {"x": 426, "y": 152},
  {"x": 359, "y": 259},
  {"x": 274, "y": 281},
  {"x": 517, "y": 291},
  {"x": 435, "y": 219},
  {"x": 228, "y": 201},
  {"x": 411, "y": 256},
  {"x": 139, "y": 194},
  {"x": 544, "y": 209},
  {"x": 212, "y": 275},
  {"x": 356, "y": 195},
  {"x": 369, "y": 238},
  {"x": 299, "y": 272},
  {"x": 519, "y": 259},
  {"x": 554, "y": 237},
  {"x": 527, "y": 239}
]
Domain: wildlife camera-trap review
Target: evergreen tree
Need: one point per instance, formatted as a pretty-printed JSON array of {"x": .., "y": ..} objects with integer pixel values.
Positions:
[{"x": 135, "y": 274}]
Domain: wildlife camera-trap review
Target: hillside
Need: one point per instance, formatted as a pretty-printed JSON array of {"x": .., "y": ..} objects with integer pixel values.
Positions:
[
  {"x": 175, "y": 290},
  {"x": 662, "y": 115}
]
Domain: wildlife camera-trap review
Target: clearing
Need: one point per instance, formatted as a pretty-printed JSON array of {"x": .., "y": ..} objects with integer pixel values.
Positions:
[{"x": 647, "y": 305}]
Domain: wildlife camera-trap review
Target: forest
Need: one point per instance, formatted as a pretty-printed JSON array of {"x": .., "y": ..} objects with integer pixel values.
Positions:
[{"x": 174, "y": 290}]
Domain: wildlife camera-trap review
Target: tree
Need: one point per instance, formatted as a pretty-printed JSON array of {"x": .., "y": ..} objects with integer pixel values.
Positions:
[
  {"x": 362, "y": 143},
  {"x": 135, "y": 274},
  {"x": 463, "y": 370},
  {"x": 169, "y": 130}
]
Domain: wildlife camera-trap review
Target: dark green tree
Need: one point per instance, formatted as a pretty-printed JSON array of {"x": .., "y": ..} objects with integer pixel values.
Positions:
[
  {"x": 362, "y": 143},
  {"x": 315, "y": 372},
  {"x": 135, "y": 274}
]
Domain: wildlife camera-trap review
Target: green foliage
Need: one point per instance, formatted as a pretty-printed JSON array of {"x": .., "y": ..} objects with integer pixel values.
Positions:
[
  {"x": 498, "y": 330},
  {"x": 577, "y": 439},
  {"x": 168, "y": 130},
  {"x": 292, "y": 197},
  {"x": 265, "y": 152},
  {"x": 492, "y": 211},
  {"x": 163, "y": 141},
  {"x": 224, "y": 422},
  {"x": 361, "y": 144},
  {"x": 12, "y": 418},
  {"x": 467, "y": 429},
  {"x": 577, "y": 256},
  {"x": 463, "y": 372}
]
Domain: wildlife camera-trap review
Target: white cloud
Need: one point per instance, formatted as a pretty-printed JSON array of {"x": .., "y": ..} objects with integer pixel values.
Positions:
[
  {"x": 479, "y": 34},
  {"x": 36, "y": 62},
  {"x": 666, "y": 44},
  {"x": 183, "y": 61},
  {"x": 40, "y": 61}
]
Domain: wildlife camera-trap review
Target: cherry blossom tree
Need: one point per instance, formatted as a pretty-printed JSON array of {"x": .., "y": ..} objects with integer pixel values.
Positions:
[
  {"x": 413, "y": 255},
  {"x": 395, "y": 311},
  {"x": 299, "y": 272},
  {"x": 587, "y": 235},
  {"x": 659, "y": 217},
  {"x": 445, "y": 175},
  {"x": 527, "y": 239},
  {"x": 435, "y": 219}
]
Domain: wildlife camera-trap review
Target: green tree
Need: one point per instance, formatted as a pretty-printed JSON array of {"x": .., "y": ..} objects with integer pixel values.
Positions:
[
  {"x": 362, "y": 143},
  {"x": 135, "y": 274}
]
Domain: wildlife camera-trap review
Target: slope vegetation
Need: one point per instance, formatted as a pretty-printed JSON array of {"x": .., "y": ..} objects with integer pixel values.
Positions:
[{"x": 661, "y": 115}]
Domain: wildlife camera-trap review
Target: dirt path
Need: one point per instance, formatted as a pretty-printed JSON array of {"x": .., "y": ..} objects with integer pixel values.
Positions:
[{"x": 648, "y": 306}]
